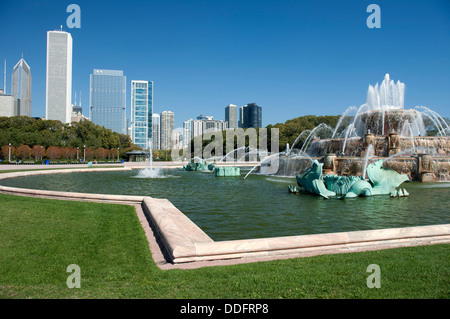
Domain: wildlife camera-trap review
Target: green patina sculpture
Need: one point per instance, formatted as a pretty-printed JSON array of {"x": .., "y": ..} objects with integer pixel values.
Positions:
[
  {"x": 381, "y": 181},
  {"x": 227, "y": 171},
  {"x": 199, "y": 165}
]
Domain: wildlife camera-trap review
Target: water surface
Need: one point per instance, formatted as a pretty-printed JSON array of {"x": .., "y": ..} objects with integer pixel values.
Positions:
[{"x": 229, "y": 208}]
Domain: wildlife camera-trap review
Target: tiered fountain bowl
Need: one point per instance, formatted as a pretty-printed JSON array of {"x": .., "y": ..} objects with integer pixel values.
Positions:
[{"x": 381, "y": 129}]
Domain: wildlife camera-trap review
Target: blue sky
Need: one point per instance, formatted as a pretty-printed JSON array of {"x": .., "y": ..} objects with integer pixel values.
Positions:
[{"x": 293, "y": 58}]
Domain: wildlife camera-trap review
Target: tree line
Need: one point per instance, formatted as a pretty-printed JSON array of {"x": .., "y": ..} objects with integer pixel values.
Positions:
[{"x": 38, "y": 139}]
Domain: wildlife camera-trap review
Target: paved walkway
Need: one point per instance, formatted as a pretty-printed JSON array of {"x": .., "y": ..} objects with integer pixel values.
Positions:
[{"x": 137, "y": 165}]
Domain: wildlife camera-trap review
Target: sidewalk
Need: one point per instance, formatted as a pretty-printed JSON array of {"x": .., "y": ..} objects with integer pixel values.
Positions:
[{"x": 133, "y": 165}]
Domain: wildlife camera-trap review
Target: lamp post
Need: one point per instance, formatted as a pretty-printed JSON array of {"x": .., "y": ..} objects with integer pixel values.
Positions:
[
  {"x": 118, "y": 154},
  {"x": 9, "y": 157},
  {"x": 78, "y": 149},
  {"x": 84, "y": 153}
]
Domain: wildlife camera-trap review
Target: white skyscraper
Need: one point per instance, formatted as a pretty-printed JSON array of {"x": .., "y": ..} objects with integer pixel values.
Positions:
[
  {"x": 21, "y": 87},
  {"x": 156, "y": 131},
  {"x": 59, "y": 76},
  {"x": 167, "y": 127},
  {"x": 187, "y": 132}
]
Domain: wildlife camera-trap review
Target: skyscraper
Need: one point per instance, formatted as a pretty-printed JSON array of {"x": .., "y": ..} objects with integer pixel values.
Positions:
[
  {"x": 156, "y": 131},
  {"x": 141, "y": 113},
  {"x": 187, "y": 132},
  {"x": 167, "y": 127},
  {"x": 231, "y": 116},
  {"x": 107, "y": 103},
  {"x": 203, "y": 124},
  {"x": 59, "y": 76},
  {"x": 241, "y": 117},
  {"x": 21, "y": 87},
  {"x": 251, "y": 116}
]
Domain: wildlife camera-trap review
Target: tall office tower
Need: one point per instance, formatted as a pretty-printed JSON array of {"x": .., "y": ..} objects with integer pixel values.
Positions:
[
  {"x": 251, "y": 116},
  {"x": 142, "y": 113},
  {"x": 167, "y": 127},
  {"x": 241, "y": 117},
  {"x": 231, "y": 116},
  {"x": 176, "y": 140},
  {"x": 156, "y": 131},
  {"x": 107, "y": 103},
  {"x": 187, "y": 133},
  {"x": 59, "y": 76},
  {"x": 21, "y": 86}
]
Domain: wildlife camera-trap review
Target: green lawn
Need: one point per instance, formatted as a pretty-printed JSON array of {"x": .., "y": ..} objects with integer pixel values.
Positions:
[{"x": 39, "y": 238}]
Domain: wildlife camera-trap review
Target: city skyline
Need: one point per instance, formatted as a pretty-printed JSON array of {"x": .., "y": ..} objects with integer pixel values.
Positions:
[{"x": 290, "y": 55}]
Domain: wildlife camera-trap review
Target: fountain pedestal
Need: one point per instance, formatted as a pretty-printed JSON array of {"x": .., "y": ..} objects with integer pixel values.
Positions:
[
  {"x": 367, "y": 141},
  {"x": 394, "y": 143},
  {"x": 425, "y": 171},
  {"x": 328, "y": 163}
]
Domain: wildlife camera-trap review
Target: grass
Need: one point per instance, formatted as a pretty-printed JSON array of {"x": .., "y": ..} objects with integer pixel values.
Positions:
[{"x": 39, "y": 238}]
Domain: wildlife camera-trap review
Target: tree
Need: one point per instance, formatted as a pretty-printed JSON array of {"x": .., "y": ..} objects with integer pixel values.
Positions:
[
  {"x": 6, "y": 150},
  {"x": 38, "y": 151},
  {"x": 89, "y": 154},
  {"x": 101, "y": 153},
  {"x": 24, "y": 152},
  {"x": 54, "y": 152}
]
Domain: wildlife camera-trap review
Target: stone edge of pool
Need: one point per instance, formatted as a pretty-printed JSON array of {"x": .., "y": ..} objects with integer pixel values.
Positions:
[{"x": 185, "y": 242}]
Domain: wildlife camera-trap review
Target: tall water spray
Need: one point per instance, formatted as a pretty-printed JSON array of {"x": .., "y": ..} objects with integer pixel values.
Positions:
[{"x": 386, "y": 96}]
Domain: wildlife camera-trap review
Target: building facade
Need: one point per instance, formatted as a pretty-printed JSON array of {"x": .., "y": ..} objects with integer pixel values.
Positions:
[
  {"x": 9, "y": 105},
  {"x": 167, "y": 127},
  {"x": 59, "y": 76},
  {"x": 231, "y": 116},
  {"x": 251, "y": 116},
  {"x": 21, "y": 87},
  {"x": 203, "y": 124},
  {"x": 142, "y": 113},
  {"x": 107, "y": 103},
  {"x": 156, "y": 131},
  {"x": 187, "y": 133}
]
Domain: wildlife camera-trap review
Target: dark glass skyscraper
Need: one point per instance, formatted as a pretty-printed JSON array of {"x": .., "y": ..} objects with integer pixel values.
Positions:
[
  {"x": 251, "y": 116},
  {"x": 108, "y": 100}
]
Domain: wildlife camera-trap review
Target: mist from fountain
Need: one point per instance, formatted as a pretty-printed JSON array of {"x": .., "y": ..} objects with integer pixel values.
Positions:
[
  {"x": 369, "y": 154},
  {"x": 311, "y": 135},
  {"x": 345, "y": 114},
  {"x": 150, "y": 172}
]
